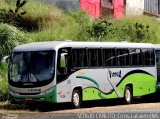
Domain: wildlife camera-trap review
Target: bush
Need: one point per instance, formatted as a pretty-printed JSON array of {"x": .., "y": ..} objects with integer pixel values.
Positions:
[
  {"x": 127, "y": 29},
  {"x": 137, "y": 29},
  {"x": 9, "y": 38},
  {"x": 101, "y": 30},
  {"x": 3, "y": 82},
  {"x": 137, "y": 32},
  {"x": 84, "y": 22}
]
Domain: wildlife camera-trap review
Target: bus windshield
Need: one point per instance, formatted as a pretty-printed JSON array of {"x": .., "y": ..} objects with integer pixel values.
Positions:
[{"x": 30, "y": 67}]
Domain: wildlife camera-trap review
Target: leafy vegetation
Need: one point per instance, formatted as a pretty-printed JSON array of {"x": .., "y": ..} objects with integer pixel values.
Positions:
[
  {"x": 13, "y": 16},
  {"x": 134, "y": 29},
  {"x": 3, "y": 82},
  {"x": 138, "y": 29},
  {"x": 10, "y": 37}
]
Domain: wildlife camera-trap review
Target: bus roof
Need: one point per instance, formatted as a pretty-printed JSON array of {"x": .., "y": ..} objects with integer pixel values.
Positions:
[
  {"x": 53, "y": 45},
  {"x": 157, "y": 46}
]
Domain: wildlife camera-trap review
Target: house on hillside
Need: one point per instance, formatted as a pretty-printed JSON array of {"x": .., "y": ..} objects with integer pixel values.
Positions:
[
  {"x": 134, "y": 7},
  {"x": 138, "y": 7},
  {"x": 120, "y": 8},
  {"x": 115, "y": 8},
  {"x": 97, "y": 8},
  {"x": 152, "y": 7},
  {"x": 94, "y": 8}
]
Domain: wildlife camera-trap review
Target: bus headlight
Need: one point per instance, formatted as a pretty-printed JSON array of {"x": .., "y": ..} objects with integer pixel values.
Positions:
[
  {"x": 13, "y": 93},
  {"x": 47, "y": 91}
]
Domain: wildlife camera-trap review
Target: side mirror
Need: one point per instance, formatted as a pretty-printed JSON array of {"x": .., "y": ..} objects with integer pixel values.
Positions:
[
  {"x": 63, "y": 63},
  {"x": 5, "y": 59}
]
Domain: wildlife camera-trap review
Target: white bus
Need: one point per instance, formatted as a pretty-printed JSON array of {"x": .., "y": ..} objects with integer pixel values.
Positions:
[
  {"x": 157, "y": 52},
  {"x": 66, "y": 71}
]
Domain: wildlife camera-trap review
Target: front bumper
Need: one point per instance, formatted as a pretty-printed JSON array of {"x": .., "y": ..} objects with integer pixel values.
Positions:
[{"x": 47, "y": 98}]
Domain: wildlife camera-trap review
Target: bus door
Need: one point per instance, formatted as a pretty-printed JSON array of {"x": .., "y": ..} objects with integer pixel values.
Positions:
[{"x": 63, "y": 64}]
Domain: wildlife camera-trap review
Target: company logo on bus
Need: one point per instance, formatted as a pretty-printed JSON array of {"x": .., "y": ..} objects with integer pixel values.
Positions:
[{"x": 115, "y": 74}]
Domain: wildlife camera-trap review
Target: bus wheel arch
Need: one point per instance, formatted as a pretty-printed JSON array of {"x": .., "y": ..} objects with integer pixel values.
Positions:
[
  {"x": 76, "y": 97},
  {"x": 128, "y": 93}
]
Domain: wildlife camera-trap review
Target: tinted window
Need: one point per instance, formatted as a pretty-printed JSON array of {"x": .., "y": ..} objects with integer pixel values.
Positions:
[
  {"x": 122, "y": 57},
  {"x": 158, "y": 57},
  {"x": 79, "y": 57},
  {"x": 158, "y": 64},
  {"x": 32, "y": 66},
  {"x": 109, "y": 57},
  {"x": 135, "y": 57},
  {"x": 94, "y": 57},
  {"x": 148, "y": 56}
]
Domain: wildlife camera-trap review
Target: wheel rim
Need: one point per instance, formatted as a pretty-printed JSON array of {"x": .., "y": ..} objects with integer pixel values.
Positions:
[
  {"x": 128, "y": 95},
  {"x": 76, "y": 99}
]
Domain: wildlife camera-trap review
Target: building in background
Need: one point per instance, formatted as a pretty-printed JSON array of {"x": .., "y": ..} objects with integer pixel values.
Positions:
[
  {"x": 92, "y": 7},
  {"x": 107, "y": 7},
  {"x": 152, "y": 7},
  {"x": 134, "y": 7},
  {"x": 119, "y": 8},
  {"x": 115, "y": 8},
  {"x": 97, "y": 8}
]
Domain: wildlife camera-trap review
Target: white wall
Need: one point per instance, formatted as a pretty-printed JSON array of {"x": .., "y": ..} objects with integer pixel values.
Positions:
[{"x": 134, "y": 7}]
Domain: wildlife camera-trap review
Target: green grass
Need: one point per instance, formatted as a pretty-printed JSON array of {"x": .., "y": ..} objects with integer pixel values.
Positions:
[
  {"x": 42, "y": 16},
  {"x": 154, "y": 26},
  {"x": 10, "y": 37},
  {"x": 3, "y": 82},
  {"x": 46, "y": 22},
  {"x": 4, "y": 4},
  {"x": 71, "y": 26}
]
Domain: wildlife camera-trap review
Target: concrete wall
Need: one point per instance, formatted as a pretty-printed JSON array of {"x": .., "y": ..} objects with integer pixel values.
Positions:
[
  {"x": 134, "y": 7},
  {"x": 69, "y": 5}
]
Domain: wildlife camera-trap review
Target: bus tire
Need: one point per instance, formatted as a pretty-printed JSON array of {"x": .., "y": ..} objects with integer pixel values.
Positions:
[
  {"x": 76, "y": 99},
  {"x": 128, "y": 95}
]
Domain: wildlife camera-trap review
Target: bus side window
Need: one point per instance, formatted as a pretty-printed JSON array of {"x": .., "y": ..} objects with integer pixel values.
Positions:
[
  {"x": 148, "y": 55},
  {"x": 123, "y": 57},
  {"x": 109, "y": 57},
  {"x": 94, "y": 57},
  {"x": 157, "y": 52},
  {"x": 135, "y": 57},
  {"x": 79, "y": 58}
]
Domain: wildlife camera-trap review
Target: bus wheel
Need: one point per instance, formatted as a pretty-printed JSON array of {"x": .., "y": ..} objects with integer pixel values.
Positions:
[
  {"x": 76, "y": 99},
  {"x": 128, "y": 95}
]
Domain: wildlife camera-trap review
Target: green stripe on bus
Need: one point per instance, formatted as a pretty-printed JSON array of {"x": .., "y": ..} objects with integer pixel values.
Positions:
[{"x": 143, "y": 84}]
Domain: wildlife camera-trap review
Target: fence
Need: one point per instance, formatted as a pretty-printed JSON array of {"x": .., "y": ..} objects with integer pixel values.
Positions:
[{"x": 152, "y": 6}]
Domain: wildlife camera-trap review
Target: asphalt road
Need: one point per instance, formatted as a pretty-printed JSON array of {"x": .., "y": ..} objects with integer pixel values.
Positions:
[
  {"x": 147, "y": 107},
  {"x": 131, "y": 114}
]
